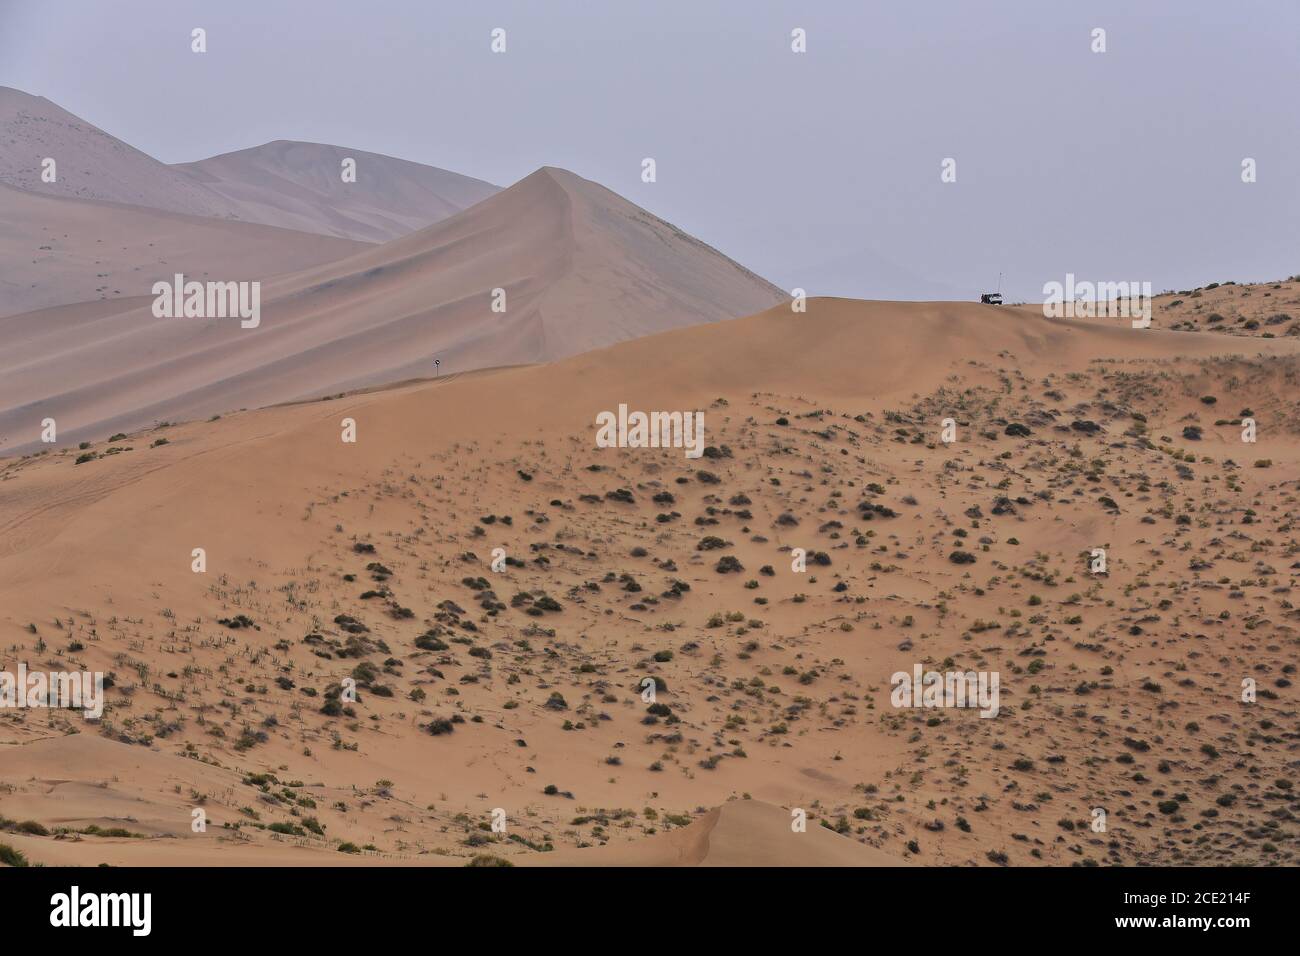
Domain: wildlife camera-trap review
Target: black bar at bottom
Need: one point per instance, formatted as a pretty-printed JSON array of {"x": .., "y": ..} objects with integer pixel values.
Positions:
[{"x": 335, "y": 905}]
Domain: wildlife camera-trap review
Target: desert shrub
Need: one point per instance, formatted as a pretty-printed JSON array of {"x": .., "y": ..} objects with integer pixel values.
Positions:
[{"x": 11, "y": 857}]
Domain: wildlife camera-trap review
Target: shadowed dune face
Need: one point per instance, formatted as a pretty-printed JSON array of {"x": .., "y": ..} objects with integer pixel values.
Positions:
[
  {"x": 578, "y": 268},
  {"x": 520, "y": 688}
]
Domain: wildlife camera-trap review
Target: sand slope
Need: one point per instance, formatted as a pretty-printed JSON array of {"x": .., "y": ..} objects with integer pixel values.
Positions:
[
  {"x": 57, "y": 251},
  {"x": 371, "y": 560},
  {"x": 90, "y": 163},
  {"x": 581, "y": 268},
  {"x": 84, "y": 780},
  {"x": 737, "y": 833},
  {"x": 299, "y": 186},
  {"x": 291, "y": 185}
]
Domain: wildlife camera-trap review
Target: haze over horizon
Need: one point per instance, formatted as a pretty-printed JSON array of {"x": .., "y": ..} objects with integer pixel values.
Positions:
[{"x": 756, "y": 153}]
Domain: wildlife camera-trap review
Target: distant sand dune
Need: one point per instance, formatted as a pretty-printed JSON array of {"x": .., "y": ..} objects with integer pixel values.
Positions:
[
  {"x": 581, "y": 268},
  {"x": 90, "y": 163},
  {"x": 287, "y": 184},
  {"x": 300, "y": 186},
  {"x": 56, "y": 250}
]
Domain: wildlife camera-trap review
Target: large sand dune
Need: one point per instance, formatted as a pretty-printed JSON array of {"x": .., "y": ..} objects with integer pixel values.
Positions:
[
  {"x": 291, "y": 185},
  {"x": 59, "y": 251},
  {"x": 90, "y": 163},
  {"x": 300, "y": 186},
  {"x": 579, "y": 266},
  {"x": 519, "y": 689}
]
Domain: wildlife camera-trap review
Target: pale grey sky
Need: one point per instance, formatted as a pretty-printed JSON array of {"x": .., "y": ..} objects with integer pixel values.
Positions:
[{"x": 818, "y": 170}]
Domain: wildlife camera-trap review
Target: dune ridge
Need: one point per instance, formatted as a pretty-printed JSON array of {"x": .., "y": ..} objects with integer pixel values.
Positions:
[
  {"x": 57, "y": 251},
  {"x": 520, "y": 688},
  {"x": 299, "y": 185},
  {"x": 288, "y": 184},
  {"x": 579, "y": 267}
]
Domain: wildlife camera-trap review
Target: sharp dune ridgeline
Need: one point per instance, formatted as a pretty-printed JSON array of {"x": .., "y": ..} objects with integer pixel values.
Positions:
[
  {"x": 579, "y": 268},
  {"x": 288, "y": 184},
  {"x": 520, "y": 688},
  {"x": 298, "y": 186},
  {"x": 90, "y": 163},
  {"x": 115, "y": 220}
]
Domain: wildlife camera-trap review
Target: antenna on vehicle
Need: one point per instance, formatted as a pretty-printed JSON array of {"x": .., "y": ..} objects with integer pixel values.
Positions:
[{"x": 993, "y": 298}]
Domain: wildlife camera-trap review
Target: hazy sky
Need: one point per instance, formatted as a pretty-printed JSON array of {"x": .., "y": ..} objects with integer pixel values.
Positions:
[{"x": 818, "y": 170}]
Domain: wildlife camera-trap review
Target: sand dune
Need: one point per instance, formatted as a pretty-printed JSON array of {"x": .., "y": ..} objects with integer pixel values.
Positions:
[
  {"x": 58, "y": 251},
  {"x": 580, "y": 268},
  {"x": 82, "y": 782},
  {"x": 737, "y": 833},
  {"x": 90, "y": 163},
  {"x": 885, "y": 352},
  {"x": 519, "y": 689},
  {"x": 291, "y": 185},
  {"x": 1256, "y": 309},
  {"x": 299, "y": 186}
]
